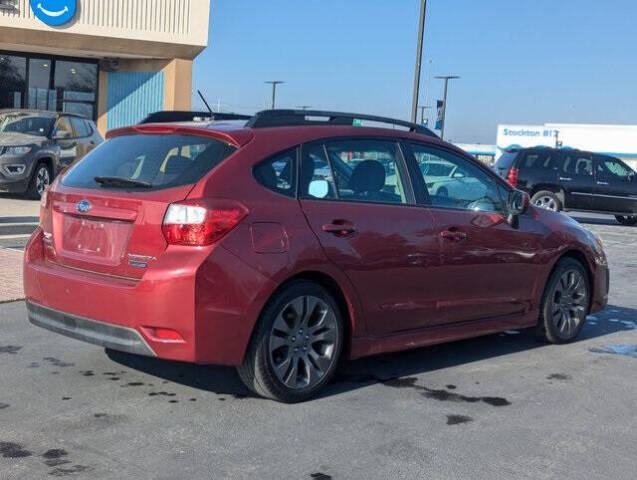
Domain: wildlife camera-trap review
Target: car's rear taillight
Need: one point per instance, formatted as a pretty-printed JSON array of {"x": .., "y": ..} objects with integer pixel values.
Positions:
[
  {"x": 199, "y": 223},
  {"x": 512, "y": 177}
]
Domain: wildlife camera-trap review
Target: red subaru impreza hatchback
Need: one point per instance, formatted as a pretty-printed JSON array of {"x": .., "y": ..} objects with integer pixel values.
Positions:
[{"x": 286, "y": 243}]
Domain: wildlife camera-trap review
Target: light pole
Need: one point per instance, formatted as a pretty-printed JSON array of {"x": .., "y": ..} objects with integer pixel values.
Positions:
[
  {"x": 421, "y": 32},
  {"x": 422, "y": 112},
  {"x": 274, "y": 83},
  {"x": 446, "y": 78}
]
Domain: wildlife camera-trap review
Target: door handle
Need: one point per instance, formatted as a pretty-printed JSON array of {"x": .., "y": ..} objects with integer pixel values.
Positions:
[
  {"x": 453, "y": 235},
  {"x": 602, "y": 183},
  {"x": 565, "y": 179},
  {"x": 340, "y": 228}
]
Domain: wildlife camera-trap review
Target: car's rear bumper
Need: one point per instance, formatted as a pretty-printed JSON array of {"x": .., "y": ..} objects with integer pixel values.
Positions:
[
  {"x": 99, "y": 333},
  {"x": 211, "y": 299}
]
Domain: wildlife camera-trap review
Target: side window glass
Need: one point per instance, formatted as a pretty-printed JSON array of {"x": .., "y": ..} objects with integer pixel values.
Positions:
[
  {"x": 611, "y": 168},
  {"x": 315, "y": 176},
  {"x": 577, "y": 165},
  {"x": 537, "y": 161},
  {"x": 367, "y": 171},
  {"x": 81, "y": 129},
  {"x": 454, "y": 182},
  {"x": 63, "y": 129},
  {"x": 278, "y": 173}
]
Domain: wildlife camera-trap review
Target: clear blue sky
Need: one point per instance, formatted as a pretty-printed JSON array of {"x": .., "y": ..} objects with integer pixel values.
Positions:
[{"x": 521, "y": 61}]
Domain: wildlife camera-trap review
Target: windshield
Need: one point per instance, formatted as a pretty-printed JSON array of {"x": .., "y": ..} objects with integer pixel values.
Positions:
[
  {"x": 148, "y": 162},
  {"x": 30, "y": 124}
]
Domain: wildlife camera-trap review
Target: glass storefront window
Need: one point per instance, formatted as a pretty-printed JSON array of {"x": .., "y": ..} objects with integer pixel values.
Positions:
[
  {"x": 76, "y": 86},
  {"x": 13, "y": 73},
  {"x": 47, "y": 83}
]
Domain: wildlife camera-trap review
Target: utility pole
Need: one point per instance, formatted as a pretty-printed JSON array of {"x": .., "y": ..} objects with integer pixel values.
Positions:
[
  {"x": 421, "y": 32},
  {"x": 274, "y": 83},
  {"x": 446, "y": 78}
]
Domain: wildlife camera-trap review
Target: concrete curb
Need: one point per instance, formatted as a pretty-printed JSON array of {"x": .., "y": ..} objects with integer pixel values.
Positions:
[{"x": 11, "y": 276}]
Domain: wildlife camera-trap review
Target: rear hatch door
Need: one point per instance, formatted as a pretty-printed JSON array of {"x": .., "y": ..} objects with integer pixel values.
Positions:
[{"x": 106, "y": 213}]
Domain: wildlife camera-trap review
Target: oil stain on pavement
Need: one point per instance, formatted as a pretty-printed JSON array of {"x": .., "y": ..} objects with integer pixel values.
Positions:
[
  {"x": 10, "y": 349},
  {"x": 458, "y": 419}
]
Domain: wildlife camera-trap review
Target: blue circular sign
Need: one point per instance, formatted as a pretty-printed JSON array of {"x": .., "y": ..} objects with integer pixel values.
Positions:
[{"x": 54, "y": 12}]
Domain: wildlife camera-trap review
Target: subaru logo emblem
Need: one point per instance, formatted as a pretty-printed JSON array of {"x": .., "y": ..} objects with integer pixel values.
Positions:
[{"x": 83, "y": 206}]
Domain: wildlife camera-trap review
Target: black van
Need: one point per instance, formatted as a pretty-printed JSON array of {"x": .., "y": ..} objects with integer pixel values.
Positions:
[{"x": 568, "y": 179}]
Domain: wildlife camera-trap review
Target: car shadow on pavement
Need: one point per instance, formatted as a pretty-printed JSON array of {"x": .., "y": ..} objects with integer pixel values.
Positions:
[{"x": 382, "y": 368}]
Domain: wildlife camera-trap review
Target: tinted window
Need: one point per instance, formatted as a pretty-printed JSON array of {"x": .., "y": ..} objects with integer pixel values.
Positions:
[
  {"x": 467, "y": 188},
  {"x": 537, "y": 160},
  {"x": 577, "y": 164},
  {"x": 366, "y": 171},
  {"x": 80, "y": 126},
  {"x": 13, "y": 73},
  {"x": 315, "y": 178},
  {"x": 75, "y": 86},
  {"x": 506, "y": 160},
  {"x": 163, "y": 161},
  {"x": 613, "y": 168},
  {"x": 277, "y": 173}
]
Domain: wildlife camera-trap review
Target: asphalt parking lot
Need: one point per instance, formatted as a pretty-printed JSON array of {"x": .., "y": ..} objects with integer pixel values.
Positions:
[{"x": 502, "y": 406}]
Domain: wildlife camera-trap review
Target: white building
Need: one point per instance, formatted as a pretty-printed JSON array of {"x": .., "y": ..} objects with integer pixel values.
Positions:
[{"x": 616, "y": 140}]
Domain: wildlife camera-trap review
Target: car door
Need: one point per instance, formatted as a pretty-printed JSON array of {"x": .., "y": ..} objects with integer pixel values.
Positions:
[
  {"x": 577, "y": 180},
  {"x": 616, "y": 187},
  {"x": 487, "y": 268},
  {"x": 64, "y": 136},
  {"x": 357, "y": 198}
]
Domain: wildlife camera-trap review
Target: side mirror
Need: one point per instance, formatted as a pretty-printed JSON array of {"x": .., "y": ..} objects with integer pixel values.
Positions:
[
  {"x": 517, "y": 204},
  {"x": 319, "y": 188}
]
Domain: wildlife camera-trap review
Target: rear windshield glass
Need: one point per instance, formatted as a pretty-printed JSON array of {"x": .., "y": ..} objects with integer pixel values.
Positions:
[
  {"x": 506, "y": 160},
  {"x": 148, "y": 162}
]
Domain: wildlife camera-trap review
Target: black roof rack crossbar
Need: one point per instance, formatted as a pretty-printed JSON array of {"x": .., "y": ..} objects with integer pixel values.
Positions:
[
  {"x": 186, "y": 116},
  {"x": 281, "y": 118}
]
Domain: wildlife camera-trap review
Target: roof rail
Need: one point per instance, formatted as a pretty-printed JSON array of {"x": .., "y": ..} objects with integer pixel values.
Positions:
[
  {"x": 280, "y": 118},
  {"x": 186, "y": 116}
]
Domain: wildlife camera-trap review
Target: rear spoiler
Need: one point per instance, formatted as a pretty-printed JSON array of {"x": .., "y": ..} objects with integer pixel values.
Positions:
[{"x": 186, "y": 116}]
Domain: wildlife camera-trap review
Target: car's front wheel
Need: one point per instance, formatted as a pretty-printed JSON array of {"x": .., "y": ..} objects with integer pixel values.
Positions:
[
  {"x": 40, "y": 181},
  {"x": 296, "y": 346},
  {"x": 629, "y": 220},
  {"x": 565, "y": 302}
]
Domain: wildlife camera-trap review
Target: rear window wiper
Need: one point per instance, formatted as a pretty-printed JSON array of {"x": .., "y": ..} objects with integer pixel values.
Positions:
[{"x": 121, "y": 182}]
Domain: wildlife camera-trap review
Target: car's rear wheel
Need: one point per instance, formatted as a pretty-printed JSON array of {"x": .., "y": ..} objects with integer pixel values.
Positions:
[
  {"x": 40, "y": 181},
  {"x": 565, "y": 302},
  {"x": 547, "y": 200},
  {"x": 296, "y": 345},
  {"x": 629, "y": 220}
]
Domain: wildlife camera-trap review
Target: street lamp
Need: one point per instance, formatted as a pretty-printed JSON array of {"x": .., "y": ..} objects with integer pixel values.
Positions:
[
  {"x": 446, "y": 78},
  {"x": 274, "y": 83},
  {"x": 421, "y": 32}
]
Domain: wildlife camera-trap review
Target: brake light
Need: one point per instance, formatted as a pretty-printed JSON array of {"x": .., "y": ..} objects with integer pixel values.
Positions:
[
  {"x": 512, "y": 177},
  {"x": 198, "y": 224}
]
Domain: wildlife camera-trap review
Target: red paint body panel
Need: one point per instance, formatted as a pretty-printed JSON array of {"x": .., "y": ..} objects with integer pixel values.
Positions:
[{"x": 403, "y": 284}]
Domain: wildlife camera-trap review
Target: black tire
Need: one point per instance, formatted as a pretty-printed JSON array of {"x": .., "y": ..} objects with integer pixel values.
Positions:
[
  {"x": 41, "y": 173},
  {"x": 629, "y": 220},
  {"x": 258, "y": 369},
  {"x": 539, "y": 199},
  {"x": 552, "y": 314}
]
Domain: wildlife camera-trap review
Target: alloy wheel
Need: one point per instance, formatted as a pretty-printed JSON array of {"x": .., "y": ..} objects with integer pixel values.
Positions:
[
  {"x": 546, "y": 202},
  {"x": 303, "y": 341},
  {"x": 570, "y": 301},
  {"x": 42, "y": 180}
]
